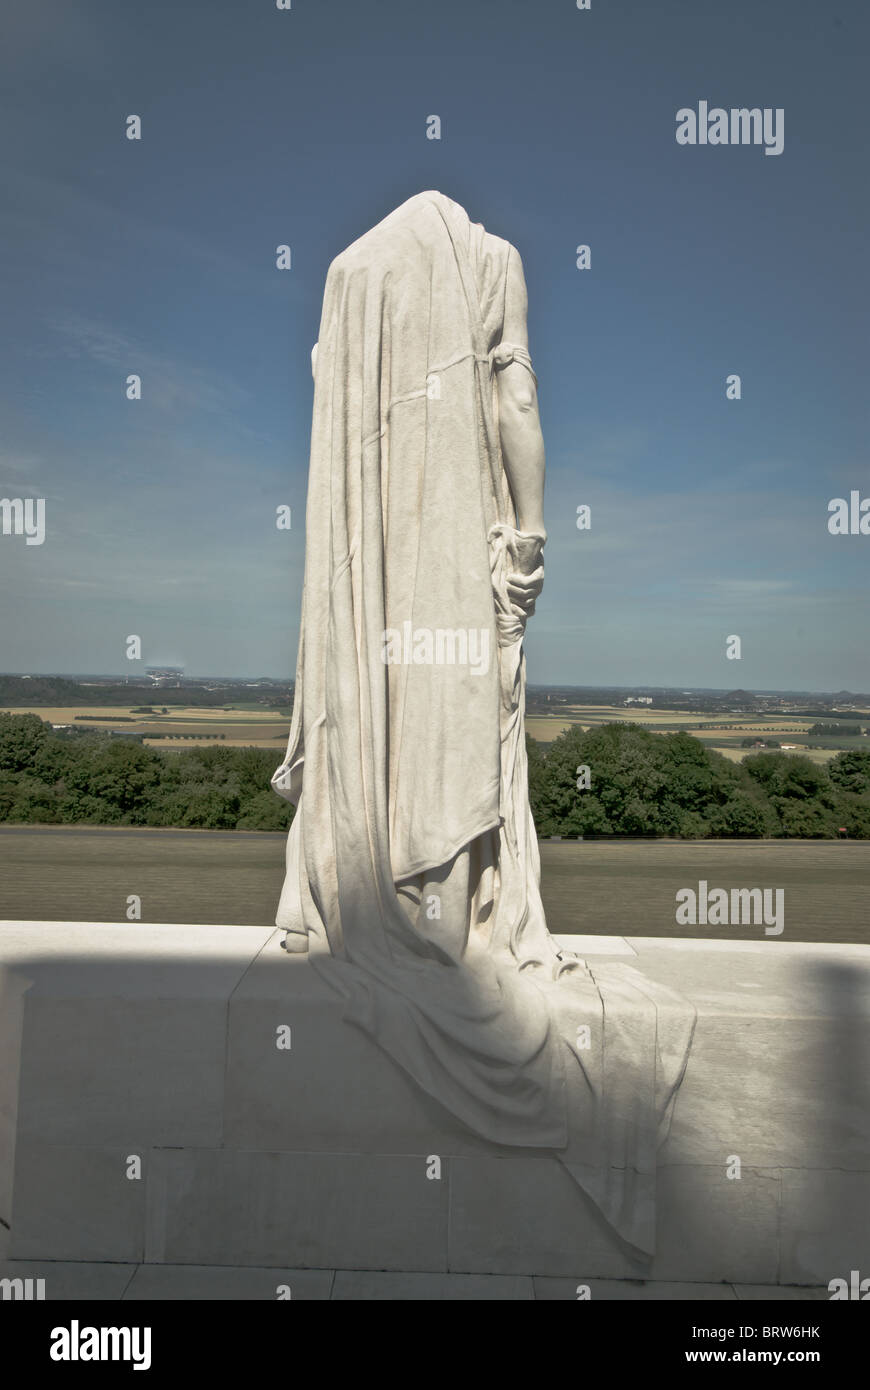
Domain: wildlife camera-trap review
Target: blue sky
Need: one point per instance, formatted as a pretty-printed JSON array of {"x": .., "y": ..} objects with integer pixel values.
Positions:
[{"x": 262, "y": 127}]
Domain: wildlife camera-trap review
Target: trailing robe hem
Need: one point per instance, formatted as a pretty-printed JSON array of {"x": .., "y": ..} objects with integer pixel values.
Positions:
[{"x": 412, "y": 862}]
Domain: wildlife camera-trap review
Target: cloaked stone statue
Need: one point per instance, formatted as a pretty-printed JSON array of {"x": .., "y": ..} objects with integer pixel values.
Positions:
[{"x": 412, "y": 861}]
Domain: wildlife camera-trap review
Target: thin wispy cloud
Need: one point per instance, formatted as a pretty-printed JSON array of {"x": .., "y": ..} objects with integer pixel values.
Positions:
[{"x": 172, "y": 385}]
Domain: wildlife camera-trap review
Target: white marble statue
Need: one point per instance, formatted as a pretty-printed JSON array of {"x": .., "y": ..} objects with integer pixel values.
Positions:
[{"x": 412, "y": 861}]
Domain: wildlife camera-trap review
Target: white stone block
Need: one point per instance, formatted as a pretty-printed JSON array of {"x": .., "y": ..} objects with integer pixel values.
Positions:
[
  {"x": 123, "y": 1031},
  {"x": 825, "y": 1226},
  {"x": 712, "y": 1228},
  {"x": 123, "y": 1071},
  {"x": 527, "y": 1216},
  {"x": 76, "y": 1204},
  {"x": 326, "y": 1211}
]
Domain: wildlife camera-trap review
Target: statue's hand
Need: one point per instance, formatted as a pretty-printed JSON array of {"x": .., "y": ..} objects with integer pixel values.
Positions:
[
  {"x": 520, "y": 563},
  {"x": 524, "y": 589}
]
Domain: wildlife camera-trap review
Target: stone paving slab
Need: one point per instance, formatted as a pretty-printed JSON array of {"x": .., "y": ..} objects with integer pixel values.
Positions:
[
  {"x": 192, "y": 1283},
  {"x": 779, "y": 1293},
  {"x": 368, "y": 1284},
  {"x": 77, "y": 1281},
  {"x": 67, "y": 1282},
  {"x": 629, "y": 1290}
]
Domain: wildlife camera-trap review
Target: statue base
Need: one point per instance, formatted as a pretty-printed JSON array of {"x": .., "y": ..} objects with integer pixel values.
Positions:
[{"x": 190, "y": 1095}]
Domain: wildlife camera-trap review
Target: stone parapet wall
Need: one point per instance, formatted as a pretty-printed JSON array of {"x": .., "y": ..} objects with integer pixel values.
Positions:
[{"x": 159, "y": 1044}]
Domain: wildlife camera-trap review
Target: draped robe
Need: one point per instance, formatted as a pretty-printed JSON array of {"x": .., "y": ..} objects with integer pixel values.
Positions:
[{"x": 412, "y": 862}]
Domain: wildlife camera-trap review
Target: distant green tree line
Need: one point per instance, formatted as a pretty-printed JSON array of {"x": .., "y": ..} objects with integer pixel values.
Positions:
[
  {"x": 65, "y": 777},
  {"x": 833, "y": 731},
  {"x": 642, "y": 783},
  {"x": 645, "y": 783}
]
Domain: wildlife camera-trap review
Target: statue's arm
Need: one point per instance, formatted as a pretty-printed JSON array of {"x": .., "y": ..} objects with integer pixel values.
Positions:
[{"x": 522, "y": 442}]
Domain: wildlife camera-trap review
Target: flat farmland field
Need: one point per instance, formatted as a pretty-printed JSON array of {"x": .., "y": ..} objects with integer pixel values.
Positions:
[
  {"x": 721, "y": 733},
  {"x": 609, "y": 888},
  {"x": 252, "y": 727},
  {"x": 257, "y": 736},
  {"x": 545, "y": 730}
]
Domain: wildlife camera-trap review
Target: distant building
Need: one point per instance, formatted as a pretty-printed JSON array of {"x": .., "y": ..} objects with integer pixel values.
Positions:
[{"x": 165, "y": 675}]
